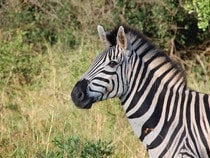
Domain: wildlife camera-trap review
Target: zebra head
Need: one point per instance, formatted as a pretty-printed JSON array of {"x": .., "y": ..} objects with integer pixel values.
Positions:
[{"x": 106, "y": 77}]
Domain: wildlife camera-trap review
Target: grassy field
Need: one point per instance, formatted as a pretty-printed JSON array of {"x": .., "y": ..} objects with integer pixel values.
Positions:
[
  {"x": 45, "y": 46},
  {"x": 41, "y": 120}
]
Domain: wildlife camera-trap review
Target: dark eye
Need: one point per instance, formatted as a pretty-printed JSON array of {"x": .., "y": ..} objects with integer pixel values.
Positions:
[{"x": 112, "y": 63}]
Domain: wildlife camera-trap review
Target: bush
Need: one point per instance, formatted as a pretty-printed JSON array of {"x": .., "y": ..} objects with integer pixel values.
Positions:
[
  {"x": 48, "y": 21},
  {"x": 73, "y": 146},
  {"x": 18, "y": 63},
  {"x": 29, "y": 26},
  {"x": 201, "y": 9},
  {"x": 68, "y": 21},
  {"x": 162, "y": 21},
  {"x": 26, "y": 30}
]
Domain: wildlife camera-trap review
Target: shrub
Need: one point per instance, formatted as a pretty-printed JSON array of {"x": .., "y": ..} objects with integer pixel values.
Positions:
[
  {"x": 201, "y": 9},
  {"x": 18, "y": 63},
  {"x": 26, "y": 30},
  {"x": 67, "y": 21},
  {"x": 48, "y": 21},
  {"x": 73, "y": 146},
  {"x": 163, "y": 21}
]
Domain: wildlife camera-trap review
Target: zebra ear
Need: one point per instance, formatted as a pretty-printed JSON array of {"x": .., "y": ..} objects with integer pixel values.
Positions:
[
  {"x": 121, "y": 38},
  {"x": 102, "y": 36}
]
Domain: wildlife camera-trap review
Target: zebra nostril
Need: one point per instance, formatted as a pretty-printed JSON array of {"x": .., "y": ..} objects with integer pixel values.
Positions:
[
  {"x": 80, "y": 96},
  {"x": 79, "y": 93}
]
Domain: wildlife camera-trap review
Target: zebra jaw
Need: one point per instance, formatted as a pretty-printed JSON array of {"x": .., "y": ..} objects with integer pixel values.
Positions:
[{"x": 80, "y": 97}]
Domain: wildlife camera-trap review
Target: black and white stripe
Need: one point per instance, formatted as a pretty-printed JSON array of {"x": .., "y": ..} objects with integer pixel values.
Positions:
[{"x": 170, "y": 119}]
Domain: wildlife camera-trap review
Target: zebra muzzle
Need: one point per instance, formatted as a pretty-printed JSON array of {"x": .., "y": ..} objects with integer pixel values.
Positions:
[{"x": 79, "y": 95}]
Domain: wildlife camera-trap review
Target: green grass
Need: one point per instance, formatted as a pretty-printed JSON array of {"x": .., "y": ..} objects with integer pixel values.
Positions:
[{"x": 40, "y": 120}]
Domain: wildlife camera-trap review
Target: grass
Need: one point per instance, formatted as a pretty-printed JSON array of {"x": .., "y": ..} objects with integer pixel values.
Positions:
[
  {"x": 41, "y": 121},
  {"x": 32, "y": 119}
]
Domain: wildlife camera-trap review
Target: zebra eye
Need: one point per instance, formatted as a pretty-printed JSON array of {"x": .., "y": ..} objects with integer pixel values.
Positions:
[{"x": 112, "y": 63}]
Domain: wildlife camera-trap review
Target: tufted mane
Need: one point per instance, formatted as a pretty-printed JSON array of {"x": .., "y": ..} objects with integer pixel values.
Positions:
[{"x": 111, "y": 36}]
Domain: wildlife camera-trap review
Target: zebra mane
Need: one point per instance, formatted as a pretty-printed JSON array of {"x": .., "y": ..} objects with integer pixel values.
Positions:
[{"x": 111, "y": 37}]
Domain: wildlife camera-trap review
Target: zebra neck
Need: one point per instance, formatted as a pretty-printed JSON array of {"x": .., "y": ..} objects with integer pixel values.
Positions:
[
  {"x": 146, "y": 110},
  {"x": 151, "y": 70},
  {"x": 152, "y": 81}
]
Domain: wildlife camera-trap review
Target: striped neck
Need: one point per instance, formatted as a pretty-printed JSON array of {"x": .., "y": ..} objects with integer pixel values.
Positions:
[
  {"x": 152, "y": 77},
  {"x": 147, "y": 65}
]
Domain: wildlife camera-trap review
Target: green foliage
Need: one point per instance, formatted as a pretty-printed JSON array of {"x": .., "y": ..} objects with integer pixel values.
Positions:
[
  {"x": 27, "y": 28},
  {"x": 18, "y": 63},
  {"x": 202, "y": 11},
  {"x": 66, "y": 21},
  {"x": 165, "y": 22},
  {"x": 49, "y": 21},
  {"x": 73, "y": 146}
]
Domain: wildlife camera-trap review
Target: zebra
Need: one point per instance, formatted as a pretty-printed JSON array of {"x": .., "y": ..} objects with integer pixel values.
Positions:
[{"x": 170, "y": 119}]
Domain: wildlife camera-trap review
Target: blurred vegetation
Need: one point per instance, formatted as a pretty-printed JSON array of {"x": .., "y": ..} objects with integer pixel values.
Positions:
[
  {"x": 75, "y": 147},
  {"x": 27, "y": 26},
  {"x": 46, "y": 45},
  {"x": 202, "y": 11}
]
